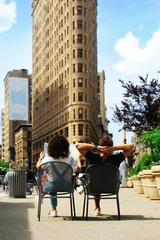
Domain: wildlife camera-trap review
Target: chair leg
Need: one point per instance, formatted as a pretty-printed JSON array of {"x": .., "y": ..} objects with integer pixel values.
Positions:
[
  {"x": 118, "y": 208},
  {"x": 84, "y": 203},
  {"x": 87, "y": 207},
  {"x": 71, "y": 206},
  {"x": 39, "y": 206}
]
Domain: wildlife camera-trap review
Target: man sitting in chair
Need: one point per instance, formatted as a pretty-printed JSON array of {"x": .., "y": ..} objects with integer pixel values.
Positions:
[
  {"x": 105, "y": 148},
  {"x": 58, "y": 149}
]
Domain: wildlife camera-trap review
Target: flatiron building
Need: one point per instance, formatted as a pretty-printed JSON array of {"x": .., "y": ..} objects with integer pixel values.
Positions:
[{"x": 64, "y": 73}]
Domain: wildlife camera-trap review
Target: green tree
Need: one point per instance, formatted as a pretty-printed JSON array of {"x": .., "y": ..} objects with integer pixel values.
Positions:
[{"x": 151, "y": 140}]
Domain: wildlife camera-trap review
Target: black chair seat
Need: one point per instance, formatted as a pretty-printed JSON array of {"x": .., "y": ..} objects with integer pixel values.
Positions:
[{"x": 103, "y": 179}]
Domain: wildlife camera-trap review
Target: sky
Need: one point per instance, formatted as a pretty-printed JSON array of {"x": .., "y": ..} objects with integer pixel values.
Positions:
[{"x": 128, "y": 41}]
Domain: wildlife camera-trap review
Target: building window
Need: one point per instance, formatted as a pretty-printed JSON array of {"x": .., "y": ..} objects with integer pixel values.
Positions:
[
  {"x": 85, "y": 97},
  {"x": 66, "y": 132},
  {"x": 73, "y": 82},
  {"x": 86, "y": 130},
  {"x": 85, "y": 83},
  {"x": 73, "y": 53},
  {"x": 80, "y": 130},
  {"x": 80, "y": 97},
  {"x": 73, "y": 39},
  {"x": 79, "y": 38},
  {"x": 80, "y": 67},
  {"x": 79, "y": 24},
  {"x": 79, "y": 53},
  {"x": 74, "y": 68},
  {"x": 73, "y": 24},
  {"x": 80, "y": 113},
  {"x": 73, "y": 11},
  {"x": 85, "y": 68},
  {"x": 80, "y": 82},
  {"x": 86, "y": 114},
  {"x": 74, "y": 113},
  {"x": 74, "y": 97},
  {"x": 79, "y": 10},
  {"x": 74, "y": 130},
  {"x": 85, "y": 54}
]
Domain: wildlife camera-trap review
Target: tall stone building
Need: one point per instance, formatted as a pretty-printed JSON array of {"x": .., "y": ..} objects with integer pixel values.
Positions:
[
  {"x": 23, "y": 146},
  {"x": 17, "y": 109},
  {"x": 2, "y": 135},
  {"x": 102, "y": 120},
  {"x": 64, "y": 71}
]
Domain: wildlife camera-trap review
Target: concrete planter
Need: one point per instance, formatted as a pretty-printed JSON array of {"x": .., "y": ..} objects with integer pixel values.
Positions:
[
  {"x": 134, "y": 180},
  {"x": 156, "y": 174},
  {"x": 129, "y": 182},
  {"x": 138, "y": 184},
  {"x": 151, "y": 185},
  {"x": 145, "y": 189}
]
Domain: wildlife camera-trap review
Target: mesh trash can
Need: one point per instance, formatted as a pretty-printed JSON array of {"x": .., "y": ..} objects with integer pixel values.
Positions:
[{"x": 17, "y": 183}]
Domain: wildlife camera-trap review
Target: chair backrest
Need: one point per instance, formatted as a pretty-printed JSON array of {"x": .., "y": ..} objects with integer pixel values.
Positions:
[
  {"x": 61, "y": 173},
  {"x": 102, "y": 178}
]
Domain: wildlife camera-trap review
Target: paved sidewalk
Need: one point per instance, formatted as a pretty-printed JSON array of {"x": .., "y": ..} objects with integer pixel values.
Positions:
[{"x": 140, "y": 219}]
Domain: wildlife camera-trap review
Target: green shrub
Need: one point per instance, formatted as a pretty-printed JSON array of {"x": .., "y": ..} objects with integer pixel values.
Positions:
[{"x": 145, "y": 163}]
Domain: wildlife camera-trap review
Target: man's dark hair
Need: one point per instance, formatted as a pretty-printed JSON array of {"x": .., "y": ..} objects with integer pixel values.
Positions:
[
  {"x": 106, "y": 141},
  {"x": 58, "y": 147}
]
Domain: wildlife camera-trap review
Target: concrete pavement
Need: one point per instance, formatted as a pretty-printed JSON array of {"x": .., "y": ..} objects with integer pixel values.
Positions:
[{"x": 140, "y": 219}]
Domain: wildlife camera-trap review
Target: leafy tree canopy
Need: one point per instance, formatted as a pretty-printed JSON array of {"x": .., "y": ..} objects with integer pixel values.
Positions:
[{"x": 140, "y": 106}]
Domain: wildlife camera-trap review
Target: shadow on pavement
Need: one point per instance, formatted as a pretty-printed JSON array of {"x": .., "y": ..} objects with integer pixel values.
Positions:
[
  {"x": 112, "y": 218},
  {"x": 14, "y": 221}
]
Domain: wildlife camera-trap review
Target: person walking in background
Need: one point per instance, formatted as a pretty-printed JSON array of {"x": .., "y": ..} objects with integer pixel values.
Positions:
[
  {"x": 58, "y": 150},
  {"x": 105, "y": 154}
]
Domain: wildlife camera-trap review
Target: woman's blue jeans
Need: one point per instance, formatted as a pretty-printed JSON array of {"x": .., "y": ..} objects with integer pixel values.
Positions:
[{"x": 49, "y": 187}]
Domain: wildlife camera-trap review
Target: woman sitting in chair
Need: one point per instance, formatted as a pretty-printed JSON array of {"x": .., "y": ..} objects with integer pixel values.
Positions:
[{"x": 58, "y": 149}]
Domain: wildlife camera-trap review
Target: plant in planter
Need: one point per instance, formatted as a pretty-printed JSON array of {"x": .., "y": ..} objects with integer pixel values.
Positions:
[{"x": 144, "y": 164}]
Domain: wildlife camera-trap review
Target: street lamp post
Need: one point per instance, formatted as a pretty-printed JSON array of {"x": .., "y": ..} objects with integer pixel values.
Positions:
[{"x": 124, "y": 142}]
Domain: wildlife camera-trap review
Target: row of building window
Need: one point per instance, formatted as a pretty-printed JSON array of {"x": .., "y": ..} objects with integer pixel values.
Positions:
[
  {"x": 79, "y": 25},
  {"x": 80, "y": 82},
  {"x": 81, "y": 97},
  {"x": 81, "y": 113},
  {"x": 79, "y": 38},
  {"x": 81, "y": 130},
  {"x": 79, "y": 53},
  {"x": 80, "y": 68},
  {"x": 79, "y": 10}
]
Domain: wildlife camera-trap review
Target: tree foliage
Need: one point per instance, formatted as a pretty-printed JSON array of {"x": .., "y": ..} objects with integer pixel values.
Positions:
[
  {"x": 151, "y": 139},
  {"x": 140, "y": 106},
  {"x": 144, "y": 163}
]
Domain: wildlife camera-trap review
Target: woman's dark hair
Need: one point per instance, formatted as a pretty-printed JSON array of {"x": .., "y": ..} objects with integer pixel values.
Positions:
[
  {"x": 106, "y": 141},
  {"x": 58, "y": 147}
]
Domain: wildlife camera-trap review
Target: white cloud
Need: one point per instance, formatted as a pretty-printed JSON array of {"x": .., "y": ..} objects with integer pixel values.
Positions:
[
  {"x": 7, "y": 15},
  {"x": 136, "y": 60}
]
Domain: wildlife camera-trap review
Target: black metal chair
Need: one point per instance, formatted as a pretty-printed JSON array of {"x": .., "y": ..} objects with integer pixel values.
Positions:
[
  {"x": 64, "y": 183},
  {"x": 101, "y": 179}
]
